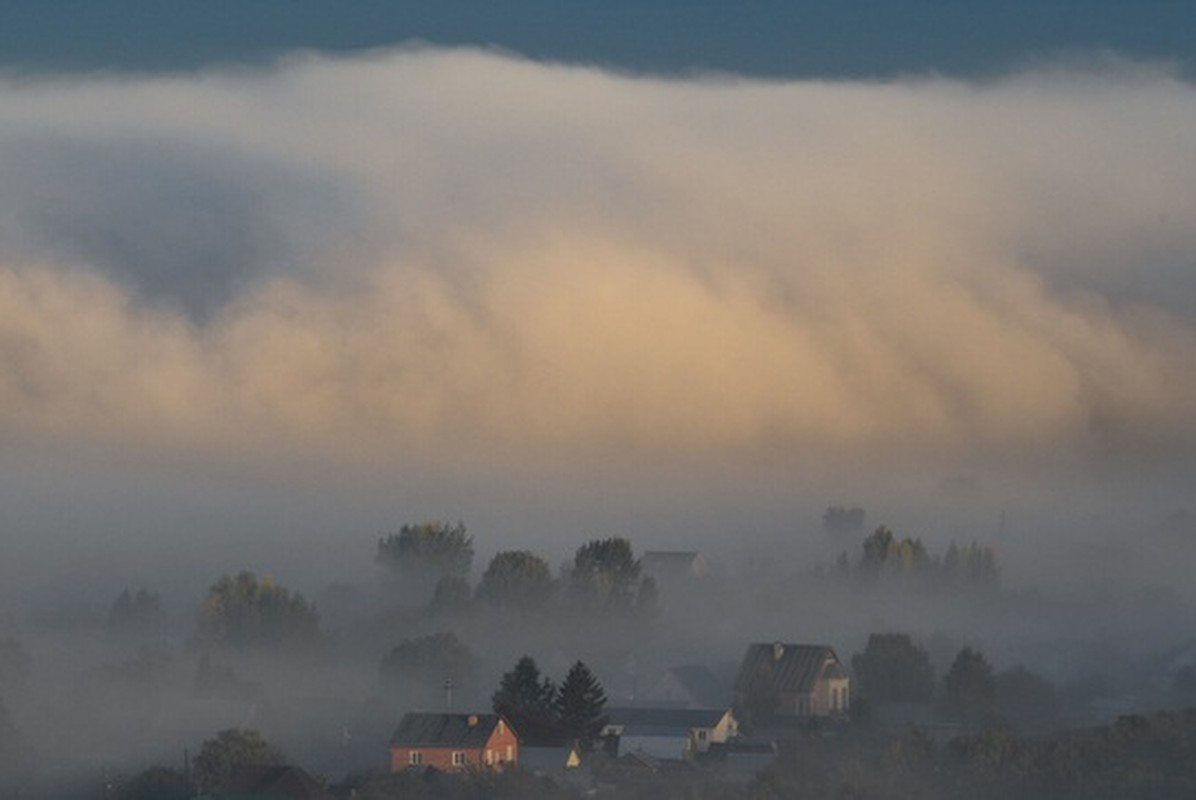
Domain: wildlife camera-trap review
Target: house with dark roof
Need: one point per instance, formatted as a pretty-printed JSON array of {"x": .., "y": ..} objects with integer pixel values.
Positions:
[
  {"x": 668, "y": 733},
  {"x": 453, "y": 742},
  {"x": 791, "y": 681}
]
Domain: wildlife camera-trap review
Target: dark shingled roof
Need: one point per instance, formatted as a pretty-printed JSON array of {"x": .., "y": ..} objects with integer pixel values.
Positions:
[
  {"x": 677, "y": 718},
  {"x": 796, "y": 670},
  {"x": 444, "y": 730}
]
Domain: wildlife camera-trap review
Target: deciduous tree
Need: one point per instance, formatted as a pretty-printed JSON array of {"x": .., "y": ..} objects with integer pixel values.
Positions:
[
  {"x": 604, "y": 576},
  {"x": 243, "y": 612},
  {"x": 428, "y": 548},
  {"x": 969, "y": 688},
  {"x": 516, "y": 579},
  {"x": 893, "y": 669},
  {"x": 233, "y": 748},
  {"x": 419, "y": 667},
  {"x": 843, "y": 521}
]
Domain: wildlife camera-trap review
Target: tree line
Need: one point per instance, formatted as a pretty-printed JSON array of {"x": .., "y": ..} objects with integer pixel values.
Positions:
[
  {"x": 884, "y": 555},
  {"x": 603, "y": 577}
]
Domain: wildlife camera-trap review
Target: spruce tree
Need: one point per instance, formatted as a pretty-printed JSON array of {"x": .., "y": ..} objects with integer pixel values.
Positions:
[
  {"x": 579, "y": 705},
  {"x": 526, "y": 701}
]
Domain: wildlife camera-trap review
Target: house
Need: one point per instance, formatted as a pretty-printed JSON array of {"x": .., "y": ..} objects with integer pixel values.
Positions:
[
  {"x": 690, "y": 686},
  {"x": 283, "y": 782},
  {"x": 800, "y": 681},
  {"x": 453, "y": 742},
  {"x": 679, "y": 734},
  {"x": 674, "y": 566}
]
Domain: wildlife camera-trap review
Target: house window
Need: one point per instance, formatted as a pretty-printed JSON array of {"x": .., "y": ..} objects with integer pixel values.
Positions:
[
  {"x": 701, "y": 736},
  {"x": 489, "y": 756},
  {"x": 416, "y": 758},
  {"x": 510, "y": 753},
  {"x": 458, "y": 759}
]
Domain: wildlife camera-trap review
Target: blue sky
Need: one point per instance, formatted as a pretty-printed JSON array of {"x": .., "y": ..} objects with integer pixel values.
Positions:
[{"x": 786, "y": 38}]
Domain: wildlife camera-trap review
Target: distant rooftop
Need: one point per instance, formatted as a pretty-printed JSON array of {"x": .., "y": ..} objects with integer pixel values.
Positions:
[
  {"x": 790, "y": 667},
  {"x": 466, "y": 731},
  {"x": 665, "y": 717}
]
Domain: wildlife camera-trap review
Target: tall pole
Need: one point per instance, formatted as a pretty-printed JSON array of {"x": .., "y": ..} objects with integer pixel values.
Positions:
[{"x": 448, "y": 694}]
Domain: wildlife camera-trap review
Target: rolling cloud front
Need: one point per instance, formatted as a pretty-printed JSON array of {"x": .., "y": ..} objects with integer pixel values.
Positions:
[{"x": 437, "y": 255}]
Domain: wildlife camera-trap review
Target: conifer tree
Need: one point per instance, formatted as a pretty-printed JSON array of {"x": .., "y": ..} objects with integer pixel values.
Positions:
[
  {"x": 579, "y": 705},
  {"x": 526, "y": 700}
]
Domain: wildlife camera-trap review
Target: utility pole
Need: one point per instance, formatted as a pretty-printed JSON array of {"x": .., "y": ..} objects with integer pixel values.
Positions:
[{"x": 448, "y": 694}]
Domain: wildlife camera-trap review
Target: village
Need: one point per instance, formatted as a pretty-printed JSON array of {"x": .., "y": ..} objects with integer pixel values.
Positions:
[{"x": 624, "y": 674}]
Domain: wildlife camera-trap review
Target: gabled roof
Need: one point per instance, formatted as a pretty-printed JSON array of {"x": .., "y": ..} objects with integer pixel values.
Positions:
[
  {"x": 282, "y": 781},
  {"x": 464, "y": 731},
  {"x": 660, "y": 718},
  {"x": 788, "y": 667}
]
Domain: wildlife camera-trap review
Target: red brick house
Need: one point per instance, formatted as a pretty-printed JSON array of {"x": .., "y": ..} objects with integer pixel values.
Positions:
[{"x": 453, "y": 742}]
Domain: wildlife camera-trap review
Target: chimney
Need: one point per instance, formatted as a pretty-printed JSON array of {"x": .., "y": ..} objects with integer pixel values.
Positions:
[{"x": 778, "y": 650}]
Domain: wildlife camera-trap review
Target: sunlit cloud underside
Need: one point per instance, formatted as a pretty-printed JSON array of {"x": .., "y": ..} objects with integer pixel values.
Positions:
[{"x": 457, "y": 253}]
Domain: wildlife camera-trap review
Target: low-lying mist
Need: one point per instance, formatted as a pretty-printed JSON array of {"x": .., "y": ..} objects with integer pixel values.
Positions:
[{"x": 254, "y": 320}]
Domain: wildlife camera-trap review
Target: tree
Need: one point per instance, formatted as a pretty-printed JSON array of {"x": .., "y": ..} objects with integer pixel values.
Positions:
[
  {"x": 579, "y": 704},
  {"x": 974, "y": 565},
  {"x": 516, "y": 579},
  {"x": 1024, "y": 696},
  {"x": 604, "y": 575},
  {"x": 233, "y": 748},
  {"x": 428, "y": 548},
  {"x": 842, "y": 521},
  {"x": 877, "y": 547},
  {"x": 420, "y": 666},
  {"x": 452, "y": 594},
  {"x": 155, "y": 782},
  {"x": 527, "y": 701},
  {"x": 893, "y": 669},
  {"x": 136, "y": 612},
  {"x": 243, "y": 612},
  {"x": 884, "y": 552},
  {"x": 647, "y": 598},
  {"x": 969, "y": 686}
]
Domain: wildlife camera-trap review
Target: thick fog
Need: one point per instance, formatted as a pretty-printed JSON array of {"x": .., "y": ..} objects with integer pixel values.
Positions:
[{"x": 253, "y": 319}]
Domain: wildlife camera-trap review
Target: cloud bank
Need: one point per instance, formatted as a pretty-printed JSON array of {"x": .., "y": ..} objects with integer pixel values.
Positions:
[{"x": 456, "y": 254}]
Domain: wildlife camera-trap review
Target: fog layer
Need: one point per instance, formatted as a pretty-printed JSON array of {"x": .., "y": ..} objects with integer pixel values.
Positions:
[{"x": 456, "y": 254}]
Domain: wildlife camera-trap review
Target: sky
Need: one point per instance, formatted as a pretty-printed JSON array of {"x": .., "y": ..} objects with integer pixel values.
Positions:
[{"x": 265, "y": 296}]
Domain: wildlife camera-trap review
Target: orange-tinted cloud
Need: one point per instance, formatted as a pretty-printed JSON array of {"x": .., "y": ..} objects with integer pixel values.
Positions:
[{"x": 514, "y": 260}]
